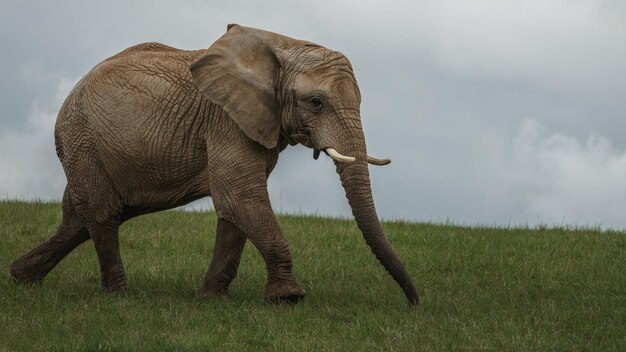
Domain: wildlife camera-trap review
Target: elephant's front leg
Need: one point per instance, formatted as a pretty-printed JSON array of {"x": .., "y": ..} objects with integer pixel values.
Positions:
[{"x": 248, "y": 207}]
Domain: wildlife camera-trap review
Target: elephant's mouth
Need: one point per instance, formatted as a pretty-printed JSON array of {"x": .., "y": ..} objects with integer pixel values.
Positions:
[
  {"x": 301, "y": 135},
  {"x": 334, "y": 154},
  {"x": 316, "y": 153}
]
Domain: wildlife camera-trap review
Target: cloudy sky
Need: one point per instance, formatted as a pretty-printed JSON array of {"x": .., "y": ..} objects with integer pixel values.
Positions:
[{"x": 493, "y": 112}]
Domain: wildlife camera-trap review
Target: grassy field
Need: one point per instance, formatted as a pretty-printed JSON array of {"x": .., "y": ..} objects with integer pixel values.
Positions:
[{"x": 481, "y": 289}]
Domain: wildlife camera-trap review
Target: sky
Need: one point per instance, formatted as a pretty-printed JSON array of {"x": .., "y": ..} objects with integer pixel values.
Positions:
[{"x": 499, "y": 113}]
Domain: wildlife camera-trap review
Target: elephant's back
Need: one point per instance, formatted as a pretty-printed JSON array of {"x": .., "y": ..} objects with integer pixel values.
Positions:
[
  {"x": 137, "y": 96},
  {"x": 138, "y": 76},
  {"x": 152, "y": 54},
  {"x": 139, "y": 112},
  {"x": 151, "y": 47}
]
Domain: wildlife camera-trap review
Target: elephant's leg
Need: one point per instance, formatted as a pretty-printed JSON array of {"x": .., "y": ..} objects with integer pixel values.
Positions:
[
  {"x": 264, "y": 232},
  {"x": 106, "y": 240},
  {"x": 100, "y": 208},
  {"x": 229, "y": 243},
  {"x": 104, "y": 234},
  {"x": 37, "y": 263},
  {"x": 254, "y": 216}
]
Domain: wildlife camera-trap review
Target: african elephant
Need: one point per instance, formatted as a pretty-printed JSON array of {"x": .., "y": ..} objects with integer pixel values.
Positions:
[{"x": 155, "y": 127}]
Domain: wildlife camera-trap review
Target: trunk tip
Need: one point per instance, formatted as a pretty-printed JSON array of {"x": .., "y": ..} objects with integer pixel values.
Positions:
[{"x": 411, "y": 295}]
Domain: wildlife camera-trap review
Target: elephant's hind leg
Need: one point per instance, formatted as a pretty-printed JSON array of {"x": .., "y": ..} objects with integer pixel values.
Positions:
[
  {"x": 106, "y": 240},
  {"x": 37, "y": 263},
  {"x": 101, "y": 211},
  {"x": 229, "y": 243}
]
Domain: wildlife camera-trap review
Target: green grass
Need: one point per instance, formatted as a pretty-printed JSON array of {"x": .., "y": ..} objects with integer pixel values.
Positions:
[{"x": 481, "y": 289}]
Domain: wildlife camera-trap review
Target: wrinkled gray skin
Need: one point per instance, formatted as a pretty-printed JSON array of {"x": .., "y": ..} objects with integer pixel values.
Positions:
[{"x": 154, "y": 127}]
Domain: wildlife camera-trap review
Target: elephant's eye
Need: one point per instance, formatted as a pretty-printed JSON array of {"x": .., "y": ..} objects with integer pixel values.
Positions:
[{"x": 316, "y": 104}]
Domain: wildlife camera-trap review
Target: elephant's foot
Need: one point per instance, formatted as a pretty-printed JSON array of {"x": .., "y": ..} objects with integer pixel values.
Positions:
[
  {"x": 114, "y": 283},
  {"x": 289, "y": 292},
  {"x": 213, "y": 291},
  {"x": 24, "y": 272}
]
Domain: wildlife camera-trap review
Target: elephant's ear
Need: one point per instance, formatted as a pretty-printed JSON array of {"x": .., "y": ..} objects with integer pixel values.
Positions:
[{"x": 239, "y": 73}]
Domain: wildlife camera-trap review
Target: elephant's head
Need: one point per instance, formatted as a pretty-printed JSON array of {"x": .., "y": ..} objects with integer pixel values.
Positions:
[{"x": 276, "y": 87}]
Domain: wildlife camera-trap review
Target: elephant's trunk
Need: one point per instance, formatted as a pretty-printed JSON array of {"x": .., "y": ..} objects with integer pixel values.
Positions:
[{"x": 356, "y": 182}]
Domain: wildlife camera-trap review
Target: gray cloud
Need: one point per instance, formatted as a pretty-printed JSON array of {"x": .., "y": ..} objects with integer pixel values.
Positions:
[{"x": 493, "y": 112}]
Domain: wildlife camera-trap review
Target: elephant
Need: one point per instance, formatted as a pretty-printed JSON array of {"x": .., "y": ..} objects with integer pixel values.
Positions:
[{"x": 155, "y": 127}]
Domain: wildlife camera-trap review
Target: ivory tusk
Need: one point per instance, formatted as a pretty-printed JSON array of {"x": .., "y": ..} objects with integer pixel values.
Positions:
[
  {"x": 338, "y": 156},
  {"x": 379, "y": 162}
]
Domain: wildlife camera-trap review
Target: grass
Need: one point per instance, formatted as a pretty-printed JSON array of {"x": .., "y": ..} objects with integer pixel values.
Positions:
[{"x": 481, "y": 289}]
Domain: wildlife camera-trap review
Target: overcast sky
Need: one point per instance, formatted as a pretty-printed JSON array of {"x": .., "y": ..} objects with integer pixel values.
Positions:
[{"x": 493, "y": 112}]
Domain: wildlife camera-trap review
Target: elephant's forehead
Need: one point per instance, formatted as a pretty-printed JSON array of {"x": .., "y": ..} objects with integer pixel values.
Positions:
[{"x": 335, "y": 82}]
